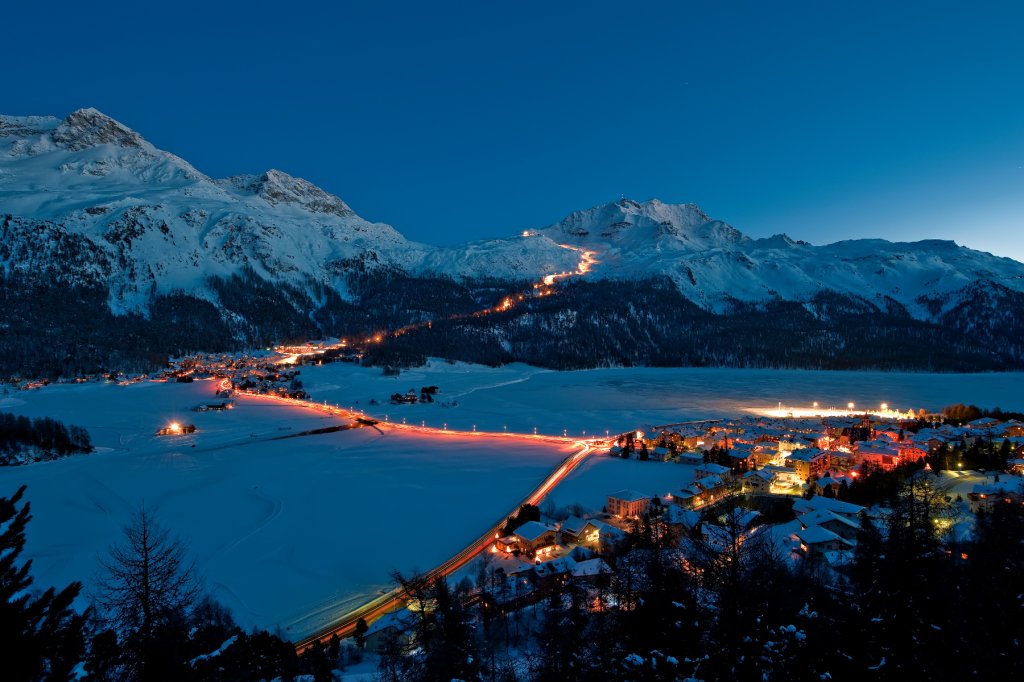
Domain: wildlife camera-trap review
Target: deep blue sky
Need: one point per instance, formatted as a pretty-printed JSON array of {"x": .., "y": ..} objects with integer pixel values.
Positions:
[{"x": 456, "y": 121}]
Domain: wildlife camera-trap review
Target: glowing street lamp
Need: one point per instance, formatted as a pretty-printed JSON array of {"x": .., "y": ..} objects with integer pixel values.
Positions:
[
  {"x": 885, "y": 406},
  {"x": 849, "y": 406}
]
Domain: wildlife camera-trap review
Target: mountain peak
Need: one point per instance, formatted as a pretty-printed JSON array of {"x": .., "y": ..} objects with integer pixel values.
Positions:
[
  {"x": 277, "y": 187},
  {"x": 89, "y": 127},
  {"x": 631, "y": 219}
]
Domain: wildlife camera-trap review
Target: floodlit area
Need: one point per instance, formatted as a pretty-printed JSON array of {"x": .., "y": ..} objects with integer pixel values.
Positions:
[
  {"x": 523, "y": 398},
  {"x": 288, "y": 533}
]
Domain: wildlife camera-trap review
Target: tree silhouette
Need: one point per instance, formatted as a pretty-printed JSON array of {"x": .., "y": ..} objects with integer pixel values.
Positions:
[
  {"x": 145, "y": 591},
  {"x": 43, "y": 637}
]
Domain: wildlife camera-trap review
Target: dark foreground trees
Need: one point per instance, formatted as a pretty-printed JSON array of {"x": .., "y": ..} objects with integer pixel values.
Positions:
[
  {"x": 145, "y": 592},
  {"x": 42, "y": 636}
]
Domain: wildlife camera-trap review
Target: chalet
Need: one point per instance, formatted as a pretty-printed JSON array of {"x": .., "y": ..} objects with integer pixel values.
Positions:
[
  {"x": 842, "y": 526},
  {"x": 815, "y": 541},
  {"x": 742, "y": 457},
  {"x": 737, "y": 530},
  {"x": 691, "y": 458},
  {"x": 628, "y": 503},
  {"x": 581, "y": 532},
  {"x": 660, "y": 453},
  {"x": 1013, "y": 428},
  {"x": 758, "y": 481},
  {"x": 818, "y": 503},
  {"x": 393, "y": 627},
  {"x": 591, "y": 570},
  {"x": 983, "y": 424},
  {"x": 534, "y": 537},
  {"x": 707, "y": 490},
  {"x": 985, "y": 496},
  {"x": 1015, "y": 466},
  {"x": 554, "y": 571},
  {"x": 680, "y": 518}
]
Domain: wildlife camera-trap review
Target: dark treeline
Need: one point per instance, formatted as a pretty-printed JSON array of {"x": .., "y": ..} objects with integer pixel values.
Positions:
[
  {"x": 43, "y": 437},
  {"x": 58, "y": 329},
  {"x": 613, "y": 323},
  {"x": 912, "y": 603}
]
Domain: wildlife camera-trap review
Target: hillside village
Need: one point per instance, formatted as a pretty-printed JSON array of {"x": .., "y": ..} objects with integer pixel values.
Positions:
[{"x": 785, "y": 487}]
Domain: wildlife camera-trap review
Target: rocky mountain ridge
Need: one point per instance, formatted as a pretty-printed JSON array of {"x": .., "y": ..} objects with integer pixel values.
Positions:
[{"x": 87, "y": 203}]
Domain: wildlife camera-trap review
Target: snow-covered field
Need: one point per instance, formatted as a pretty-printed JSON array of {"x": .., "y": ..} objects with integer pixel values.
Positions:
[
  {"x": 288, "y": 533},
  {"x": 521, "y": 397}
]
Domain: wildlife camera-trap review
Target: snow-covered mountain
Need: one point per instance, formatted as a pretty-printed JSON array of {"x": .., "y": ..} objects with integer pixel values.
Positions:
[
  {"x": 88, "y": 205},
  {"x": 714, "y": 264},
  {"x": 148, "y": 222}
]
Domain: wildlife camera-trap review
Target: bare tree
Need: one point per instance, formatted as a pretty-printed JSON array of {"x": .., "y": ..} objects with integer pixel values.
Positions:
[{"x": 146, "y": 581}]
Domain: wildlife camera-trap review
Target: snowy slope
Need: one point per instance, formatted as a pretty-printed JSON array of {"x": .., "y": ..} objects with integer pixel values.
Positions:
[
  {"x": 90, "y": 201},
  {"x": 712, "y": 262}
]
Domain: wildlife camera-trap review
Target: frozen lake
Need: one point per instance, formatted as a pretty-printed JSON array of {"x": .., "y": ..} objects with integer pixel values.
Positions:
[
  {"x": 521, "y": 398},
  {"x": 288, "y": 533}
]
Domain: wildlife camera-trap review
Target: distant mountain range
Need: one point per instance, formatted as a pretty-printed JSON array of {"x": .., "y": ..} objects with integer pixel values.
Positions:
[{"x": 138, "y": 239}]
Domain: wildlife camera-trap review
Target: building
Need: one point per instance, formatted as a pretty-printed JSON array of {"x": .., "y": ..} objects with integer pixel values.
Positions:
[
  {"x": 815, "y": 541},
  {"x": 579, "y": 531},
  {"x": 809, "y": 462},
  {"x": 534, "y": 537},
  {"x": 626, "y": 503},
  {"x": 758, "y": 481},
  {"x": 711, "y": 469}
]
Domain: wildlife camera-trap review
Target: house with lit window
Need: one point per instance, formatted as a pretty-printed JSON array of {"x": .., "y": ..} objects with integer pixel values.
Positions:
[
  {"x": 586, "y": 532},
  {"x": 815, "y": 541},
  {"x": 534, "y": 537}
]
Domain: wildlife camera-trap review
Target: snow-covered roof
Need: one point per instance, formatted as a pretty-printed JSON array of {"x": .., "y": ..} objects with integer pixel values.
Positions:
[
  {"x": 574, "y": 525},
  {"x": 590, "y": 567},
  {"x": 627, "y": 495},
  {"x": 815, "y": 534},
  {"x": 802, "y": 506},
  {"x": 532, "y": 530},
  {"x": 807, "y": 454},
  {"x": 821, "y": 516}
]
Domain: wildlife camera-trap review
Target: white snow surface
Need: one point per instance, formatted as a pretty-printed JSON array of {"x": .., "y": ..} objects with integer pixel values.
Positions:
[
  {"x": 287, "y": 533},
  {"x": 156, "y": 224},
  {"x": 521, "y": 397},
  {"x": 290, "y": 533}
]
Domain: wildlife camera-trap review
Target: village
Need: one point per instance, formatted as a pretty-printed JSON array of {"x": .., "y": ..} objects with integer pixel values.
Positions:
[{"x": 782, "y": 484}]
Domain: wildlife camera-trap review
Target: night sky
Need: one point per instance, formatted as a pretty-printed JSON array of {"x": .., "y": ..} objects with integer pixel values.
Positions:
[{"x": 458, "y": 121}]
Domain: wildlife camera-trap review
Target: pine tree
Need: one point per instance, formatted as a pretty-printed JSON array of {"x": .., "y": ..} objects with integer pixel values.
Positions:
[{"x": 43, "y": 637}]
